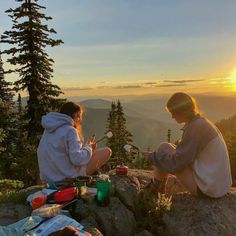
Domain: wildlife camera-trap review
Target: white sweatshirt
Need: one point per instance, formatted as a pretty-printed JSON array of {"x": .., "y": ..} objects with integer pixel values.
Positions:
[
  {"x": 203, "y": 148},
  {"x": 61, "y": 153}
]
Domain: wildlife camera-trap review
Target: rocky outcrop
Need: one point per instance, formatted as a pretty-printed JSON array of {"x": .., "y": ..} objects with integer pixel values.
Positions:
[
  {"x": 126, "y": 213},
  {"x": 10, "y": 212},
  {"x": 193, "y": 216}
]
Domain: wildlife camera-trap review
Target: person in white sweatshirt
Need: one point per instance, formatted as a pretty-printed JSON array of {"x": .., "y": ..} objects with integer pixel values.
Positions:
[
  {"x": 200, "y": 160},
  {"x": 61, "y": 153}
]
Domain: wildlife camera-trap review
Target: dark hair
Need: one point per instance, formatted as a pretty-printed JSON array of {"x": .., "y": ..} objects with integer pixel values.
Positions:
[
  {"x": 70, "y": 109},
  {"x": 182, "y": 103}
]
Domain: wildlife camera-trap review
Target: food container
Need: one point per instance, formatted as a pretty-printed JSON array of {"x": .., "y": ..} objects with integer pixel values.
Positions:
[
  {"x": 121, "y": 169},
  {"x": 65, "y": 195},
  {"x": 85, "y": 181},
  {"x": 38, "y": 201},
  {"x": 47, "y": 210}
]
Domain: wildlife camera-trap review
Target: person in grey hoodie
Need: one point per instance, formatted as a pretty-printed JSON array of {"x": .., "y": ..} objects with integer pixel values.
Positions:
[
  {"x": 61, "y": 153},
  {"x": 200, "y": 160}
]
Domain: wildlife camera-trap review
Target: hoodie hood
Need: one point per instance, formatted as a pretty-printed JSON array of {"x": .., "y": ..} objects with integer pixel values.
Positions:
[{"x": 54, "y": 120}]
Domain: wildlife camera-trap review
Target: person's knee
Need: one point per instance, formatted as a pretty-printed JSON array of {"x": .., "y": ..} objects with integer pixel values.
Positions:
[
  {"x": 163, "y": 145},
  {"x": 166, "y": 147},
  {"x": 108, "y": 152}
]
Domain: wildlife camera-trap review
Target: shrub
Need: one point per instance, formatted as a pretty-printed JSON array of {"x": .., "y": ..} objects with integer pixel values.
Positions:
[
  {"x": 10, "y": 191},
  {"x": 150, "y": 211}
]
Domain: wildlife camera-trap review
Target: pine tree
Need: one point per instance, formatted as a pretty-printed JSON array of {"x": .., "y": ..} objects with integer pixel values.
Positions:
[
  {"x": 30, "y": 37},
  {"x": 111, "y": 126},
  {"x": 6, "y": 124},
  {"x": 124, "y": 136},
  {"x": 116, "y": 123},
  {"x": 6, "y": 93},
  {"x": 228, "y": 130}
]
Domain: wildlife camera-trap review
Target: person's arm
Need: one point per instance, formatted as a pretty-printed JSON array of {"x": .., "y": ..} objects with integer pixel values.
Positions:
[
  {"x": 79, "y": 154},
  {"x": 186, "y": 152}
]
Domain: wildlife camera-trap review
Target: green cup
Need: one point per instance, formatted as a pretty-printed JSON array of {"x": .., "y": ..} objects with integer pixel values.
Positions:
[{"x": 103, "y": 191}]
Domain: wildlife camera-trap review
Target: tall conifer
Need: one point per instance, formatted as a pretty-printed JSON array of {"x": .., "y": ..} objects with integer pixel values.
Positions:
[
  {"x": 116, "y": 123},
  {"x": 29, "y": 37},
  {"x": 6, "y": 124}
]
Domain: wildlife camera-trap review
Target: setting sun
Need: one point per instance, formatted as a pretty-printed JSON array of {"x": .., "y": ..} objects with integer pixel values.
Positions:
[{"x": 232, "y": 79}]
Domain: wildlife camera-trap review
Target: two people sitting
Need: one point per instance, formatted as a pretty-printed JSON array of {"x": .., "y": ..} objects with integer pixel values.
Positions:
[{"x": 199, "y": 161}]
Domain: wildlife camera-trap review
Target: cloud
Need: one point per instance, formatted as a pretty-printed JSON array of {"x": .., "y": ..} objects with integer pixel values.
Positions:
[
  {"x": 150, "y": 83},
  {"x": 169, "y": 85},
  {"x": 76, "y": 88},
  {"x": 128, "y": 86},
  {"x": 183, "y": 81}
]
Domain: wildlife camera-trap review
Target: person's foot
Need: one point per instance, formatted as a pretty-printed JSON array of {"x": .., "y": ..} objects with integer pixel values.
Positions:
[{"x": 156, "y": 186}]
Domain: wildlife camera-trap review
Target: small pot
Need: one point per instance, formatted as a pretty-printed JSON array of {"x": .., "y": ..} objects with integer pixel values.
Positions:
[
  {"x": 65, "y": 195},
  {"x": 121, "y": 169}
]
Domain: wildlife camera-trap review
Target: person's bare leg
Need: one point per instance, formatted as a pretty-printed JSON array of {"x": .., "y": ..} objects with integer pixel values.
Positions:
[
  {"x": 98, "y": 159},
  {"x": 167, "y": 148},
  {"x": 187, "y": 179},
  {"x": 185, "y": 176},
  {"x": 159, "y": 181}
]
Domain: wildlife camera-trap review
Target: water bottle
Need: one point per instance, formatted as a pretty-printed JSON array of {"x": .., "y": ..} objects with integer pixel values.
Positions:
[{"x": 103, "y": 190}]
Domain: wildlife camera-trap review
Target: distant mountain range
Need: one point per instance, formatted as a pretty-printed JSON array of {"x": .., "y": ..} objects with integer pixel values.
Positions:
[{"x": 147, "y": 118}]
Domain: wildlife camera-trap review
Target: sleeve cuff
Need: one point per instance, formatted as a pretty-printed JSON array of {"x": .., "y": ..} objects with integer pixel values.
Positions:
[
  {"x": 89, "y": 149},
  {"x": 152, "y": 157}
]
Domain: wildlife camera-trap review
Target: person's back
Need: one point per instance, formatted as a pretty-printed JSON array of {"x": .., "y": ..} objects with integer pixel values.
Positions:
[
  {"x": 211, "y": 166},
  {"x": 53, "y": 150},
  {"x": 62, "y": 154},
  {"x": 200, "y": 160}
]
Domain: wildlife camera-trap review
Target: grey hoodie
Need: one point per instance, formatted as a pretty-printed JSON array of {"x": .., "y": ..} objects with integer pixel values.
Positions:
[
  {"x": 61, "y": 153},
  {"x": 203, "y": 148}
]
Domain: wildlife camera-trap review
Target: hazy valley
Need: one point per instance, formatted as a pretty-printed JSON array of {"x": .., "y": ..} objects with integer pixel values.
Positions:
[{"x": 147, "y": 118}]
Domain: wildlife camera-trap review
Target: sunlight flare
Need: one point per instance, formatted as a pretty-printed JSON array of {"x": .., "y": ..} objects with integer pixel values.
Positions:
[{"x": 232, "y": 78}]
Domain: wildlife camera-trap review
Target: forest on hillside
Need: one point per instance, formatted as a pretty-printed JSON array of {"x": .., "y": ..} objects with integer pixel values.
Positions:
[{"x": 228, "y": 130}]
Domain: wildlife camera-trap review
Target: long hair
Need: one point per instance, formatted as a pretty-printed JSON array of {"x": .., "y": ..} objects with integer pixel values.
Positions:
[
  {"x": 72, "y": 109},
  {"x": 183, "y": 104}
]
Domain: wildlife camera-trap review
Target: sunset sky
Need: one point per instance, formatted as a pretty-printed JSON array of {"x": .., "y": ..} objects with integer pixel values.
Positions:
[{"x": 117, "y": 47}]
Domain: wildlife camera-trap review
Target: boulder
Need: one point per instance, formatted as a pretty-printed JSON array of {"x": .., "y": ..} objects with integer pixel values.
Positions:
[
  {"x": 128, "y": 213},
  {"x": 10, "y": 212},
  {"x": 193, "y": 216}
]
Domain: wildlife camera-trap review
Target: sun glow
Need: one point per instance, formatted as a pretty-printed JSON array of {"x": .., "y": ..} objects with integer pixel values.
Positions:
[{"x": 232, "y": 79}]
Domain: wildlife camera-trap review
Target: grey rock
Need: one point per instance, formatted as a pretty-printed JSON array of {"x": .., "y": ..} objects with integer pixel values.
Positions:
[
  {"x": 126, "y": 189},
  {"x": 116, "y": 219},
  {"x": 90, "y": 225},
  {"x": 10, "y": 213},
  {"x": 189, "y": 215},
  {"x": 196, "y": 217},
  {"x": 144, "y": 233}
]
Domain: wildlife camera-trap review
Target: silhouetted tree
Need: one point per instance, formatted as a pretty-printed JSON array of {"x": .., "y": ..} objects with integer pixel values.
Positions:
[
  {"x": 116, "y": 123},
  {"x": 124, "y": 136},
  {"x": 30, "y": 37},
  {"x": 228, "y": 129},
  {"x": 6, "y": 93},
  {"x": 7, "y": 124}
]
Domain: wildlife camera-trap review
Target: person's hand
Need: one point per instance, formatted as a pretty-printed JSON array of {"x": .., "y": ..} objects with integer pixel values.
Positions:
[
  {"x": 66, "y": 231},
  {"x": 91, "y": 141},
  {"x": 145, "y": 154}
]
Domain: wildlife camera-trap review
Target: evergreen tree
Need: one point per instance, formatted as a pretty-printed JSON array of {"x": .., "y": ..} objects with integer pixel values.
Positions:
[
  {"x": 116, "y": 123},
  {"x": 6, "y": 93},
  {"x": 124, "y": 136},
  {"x": 30, "y": 37},
  {"x": 228, "y": 130},
  {"x": 6, "y": 124},
  {"x": 111, "y": 126},
  {"x": 2, "y": 136}
]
